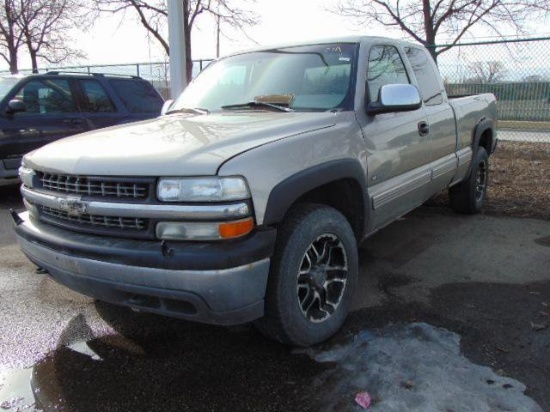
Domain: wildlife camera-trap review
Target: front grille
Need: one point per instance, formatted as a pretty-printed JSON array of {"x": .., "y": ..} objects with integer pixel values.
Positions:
[
  {"x": 125, "y": 223},
  {"x": 95, "y": 186}
]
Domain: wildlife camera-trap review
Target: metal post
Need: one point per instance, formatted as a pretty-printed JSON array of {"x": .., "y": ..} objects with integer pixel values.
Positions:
[
  {"x": 176, "y": 33},
  {"x": 218, "y": 36}
]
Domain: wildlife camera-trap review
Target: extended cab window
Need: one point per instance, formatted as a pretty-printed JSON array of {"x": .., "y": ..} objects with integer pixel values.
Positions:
[
  {"x": 425, "y": 75},
  {"x": 137, "y": 95},
  {"x": 97, "y": 99},
  {"x": 385, "y": 67},
  {"x": 48, "y": 96}
]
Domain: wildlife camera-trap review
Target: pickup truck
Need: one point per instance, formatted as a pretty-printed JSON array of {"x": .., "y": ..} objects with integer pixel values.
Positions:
[{"x": 246, "y": 200}]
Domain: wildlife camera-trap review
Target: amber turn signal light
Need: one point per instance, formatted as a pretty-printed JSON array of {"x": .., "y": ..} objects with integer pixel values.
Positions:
[{"x": 237, "y": 228}]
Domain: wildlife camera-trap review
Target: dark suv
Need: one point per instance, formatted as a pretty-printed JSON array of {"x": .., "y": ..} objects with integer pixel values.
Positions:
[{"x": 40, "y": 108}]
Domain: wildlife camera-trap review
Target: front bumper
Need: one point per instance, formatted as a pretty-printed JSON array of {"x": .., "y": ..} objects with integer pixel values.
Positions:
[{"x": 218, "y": 282}]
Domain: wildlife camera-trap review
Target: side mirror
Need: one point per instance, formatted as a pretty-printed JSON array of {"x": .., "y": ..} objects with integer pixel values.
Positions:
[
  {"x": 395, "y": 98},
  {"x": 166, "y": 106},
  {"x": 15, "y": 106}
]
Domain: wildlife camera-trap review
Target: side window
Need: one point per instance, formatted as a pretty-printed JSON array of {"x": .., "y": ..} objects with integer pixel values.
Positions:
[
  {"x": 137, "y": 95},
  {"x": 97, "y": 98},
  {"x": 426, "y": 76},
  {"x": 47, "y": 96},
  {"x": 385, "y": 67}
]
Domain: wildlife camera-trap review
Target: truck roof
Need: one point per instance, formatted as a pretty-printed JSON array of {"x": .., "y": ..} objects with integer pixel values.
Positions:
[{"x": 325, "y": 40}]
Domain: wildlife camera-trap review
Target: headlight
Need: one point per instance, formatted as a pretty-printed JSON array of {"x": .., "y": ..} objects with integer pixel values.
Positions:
[{"x": 202, "y": 189}]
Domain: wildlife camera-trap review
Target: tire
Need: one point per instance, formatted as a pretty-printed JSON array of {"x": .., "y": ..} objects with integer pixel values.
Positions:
[
  {"x": 306, "y": 302},
  {"x": 469, "y": 196}
]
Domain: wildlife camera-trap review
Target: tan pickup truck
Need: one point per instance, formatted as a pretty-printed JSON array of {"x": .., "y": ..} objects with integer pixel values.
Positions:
[{"x": 246, "y": 200}]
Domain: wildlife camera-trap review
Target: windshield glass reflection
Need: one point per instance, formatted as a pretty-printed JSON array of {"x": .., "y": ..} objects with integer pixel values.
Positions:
[{"x": 298, "y": 78}]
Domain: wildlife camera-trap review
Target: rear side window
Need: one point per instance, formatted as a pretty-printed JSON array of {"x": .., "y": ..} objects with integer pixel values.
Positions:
[
  {"x": 48, "y": 96},
  {"x": 426, "y": 76},
  {"x": 385, "y": 67},
  {"x": 97, "y": 99},
  {"x": 137, "y": 96}
]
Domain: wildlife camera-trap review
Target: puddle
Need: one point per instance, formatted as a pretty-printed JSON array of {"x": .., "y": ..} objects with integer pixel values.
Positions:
[
  {"x": 16, "y": 393},
  {"x": 37, "y": 388}
]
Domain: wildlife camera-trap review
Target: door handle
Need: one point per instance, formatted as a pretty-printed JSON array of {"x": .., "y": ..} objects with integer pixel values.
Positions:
[{"x": 423, "y": 128}]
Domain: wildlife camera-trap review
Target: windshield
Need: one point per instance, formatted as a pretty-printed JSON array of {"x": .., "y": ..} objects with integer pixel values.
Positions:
[
  {"x": 6, "y": 84},
  {"x": 299, "y": 78}
]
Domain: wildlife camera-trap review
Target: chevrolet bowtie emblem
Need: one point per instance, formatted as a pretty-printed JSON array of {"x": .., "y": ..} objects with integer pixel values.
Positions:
[{"x": 73, "y": 205}]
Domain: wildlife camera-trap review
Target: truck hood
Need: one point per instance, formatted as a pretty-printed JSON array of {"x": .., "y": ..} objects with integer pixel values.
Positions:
[{"x": 173, "y": 145}]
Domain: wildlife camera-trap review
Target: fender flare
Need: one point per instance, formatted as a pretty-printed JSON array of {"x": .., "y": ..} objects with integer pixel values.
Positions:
[
  {"x": 285, "y": 193},
  {"x": 482, "y": 126}
]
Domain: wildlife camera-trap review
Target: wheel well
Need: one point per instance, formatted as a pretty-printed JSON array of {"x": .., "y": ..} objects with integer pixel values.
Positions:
[
  {"x": 344, "y": 195},
  {"x": 486, "y": 141}
]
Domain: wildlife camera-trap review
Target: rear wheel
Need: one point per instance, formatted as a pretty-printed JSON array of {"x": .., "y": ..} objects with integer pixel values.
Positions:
[
  {"x": 469, "y": 195},
  {"x": 312, "y": 277}
]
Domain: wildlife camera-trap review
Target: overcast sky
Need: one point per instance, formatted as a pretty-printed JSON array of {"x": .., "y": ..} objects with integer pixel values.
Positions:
[
  {"x": 280, "y": 20},
  {"x": 122, "y": 39}
]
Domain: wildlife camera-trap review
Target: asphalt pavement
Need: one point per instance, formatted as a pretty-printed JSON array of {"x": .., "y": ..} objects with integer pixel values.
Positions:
[{"x": 480, "y": 282}]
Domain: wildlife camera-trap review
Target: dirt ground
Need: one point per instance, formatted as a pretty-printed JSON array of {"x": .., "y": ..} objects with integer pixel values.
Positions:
[{"x": 519, "y": 181}]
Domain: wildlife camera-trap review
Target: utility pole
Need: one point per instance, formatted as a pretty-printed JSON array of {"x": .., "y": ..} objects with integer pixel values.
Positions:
[
  {"x": 176, "y": 39},
  {"x": 218, "y": 35}
]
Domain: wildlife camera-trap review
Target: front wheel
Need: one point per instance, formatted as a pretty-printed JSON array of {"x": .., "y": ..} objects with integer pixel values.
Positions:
[
  {"x": 469, "y": 195},
  {"x": 312, "y": 277}
]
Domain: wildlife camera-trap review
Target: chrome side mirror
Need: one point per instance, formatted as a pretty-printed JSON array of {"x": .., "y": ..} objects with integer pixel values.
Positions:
[{"x": 396, "y": 98}]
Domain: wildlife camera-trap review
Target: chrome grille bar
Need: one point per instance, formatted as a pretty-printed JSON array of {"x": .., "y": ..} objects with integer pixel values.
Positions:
[
  {"x": 152, "y": 211},
  {"x": 81, "y": 185},
  {"x": 97, "y": 221}
]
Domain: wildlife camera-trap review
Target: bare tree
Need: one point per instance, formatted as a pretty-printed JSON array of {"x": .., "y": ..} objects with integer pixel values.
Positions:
[
  {"x": 153, "y": 16},
  {"x": 425, "y": 20},
  {"x": 45, "y": 24},
  {"x": 11, "y": 38},
  {"x": 486, "y": 72},
  {"x": 40, "y": 25}
]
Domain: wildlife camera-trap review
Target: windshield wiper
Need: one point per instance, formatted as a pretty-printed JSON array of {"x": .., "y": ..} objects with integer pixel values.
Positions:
[
  {"x": 196, "y": 110},
  {"x": 253, "y": 105}
]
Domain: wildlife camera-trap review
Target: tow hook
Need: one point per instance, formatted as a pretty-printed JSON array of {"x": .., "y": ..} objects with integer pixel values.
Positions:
[
  {"x": 166, "y": 250},
  {"x": 15, "y": 217}
]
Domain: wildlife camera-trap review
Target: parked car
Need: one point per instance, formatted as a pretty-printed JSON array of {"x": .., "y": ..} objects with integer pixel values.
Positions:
[
  {"x": 40, "y": 108},
  {"x": 247, "y": 199}
]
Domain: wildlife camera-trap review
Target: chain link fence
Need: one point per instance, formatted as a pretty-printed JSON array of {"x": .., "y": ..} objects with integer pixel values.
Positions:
[
  {"x": 158, "y": 73},
  {"x": 517, "y": 72}
]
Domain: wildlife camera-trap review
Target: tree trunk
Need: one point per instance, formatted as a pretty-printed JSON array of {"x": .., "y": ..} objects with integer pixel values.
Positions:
[
  {"x": 431, "y": 48},
  {"x": 14, "y": 69},
  {"x": 34, "y": 60},
  {"x": 187, "y": 30},
  {"x": 429, "y": 28}
]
